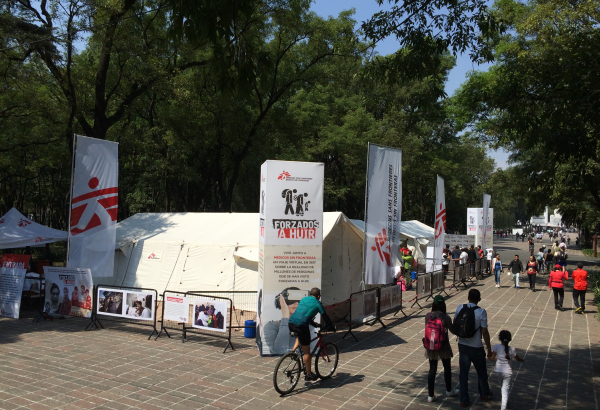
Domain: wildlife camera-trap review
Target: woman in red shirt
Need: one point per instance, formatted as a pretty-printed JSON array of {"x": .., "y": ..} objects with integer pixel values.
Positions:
[
  {"x": 555, "y": 282},
  {"x": 531, "y": 272}
]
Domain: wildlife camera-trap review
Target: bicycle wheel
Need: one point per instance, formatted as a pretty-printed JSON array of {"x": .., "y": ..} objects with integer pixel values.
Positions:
[
  {"x": 327, "y": 361},
  {"x": 287, "y": 373}
]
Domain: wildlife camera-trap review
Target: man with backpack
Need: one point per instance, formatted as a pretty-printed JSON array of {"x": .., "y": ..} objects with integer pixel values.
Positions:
[{"x": 470, "y": 324}]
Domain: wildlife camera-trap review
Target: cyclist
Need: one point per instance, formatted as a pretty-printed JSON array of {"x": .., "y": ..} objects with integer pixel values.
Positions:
[{"x": 306, "y": 311}]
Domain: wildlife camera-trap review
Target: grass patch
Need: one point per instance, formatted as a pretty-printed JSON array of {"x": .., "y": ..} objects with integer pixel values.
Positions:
[{"x": 588, "y": 252}]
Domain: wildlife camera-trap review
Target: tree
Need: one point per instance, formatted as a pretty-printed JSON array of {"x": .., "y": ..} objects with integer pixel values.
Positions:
[{"x": 540, "y": 100}]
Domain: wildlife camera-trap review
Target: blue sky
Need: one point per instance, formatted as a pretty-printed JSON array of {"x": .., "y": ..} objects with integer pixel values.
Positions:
[{"x": 364, "y": 10}]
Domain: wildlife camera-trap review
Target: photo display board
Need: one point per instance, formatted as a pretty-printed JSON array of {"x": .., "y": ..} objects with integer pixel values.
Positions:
[
  {"x": 68, "y": 292},
  {"x": 210, "y": 314},
  {"x": 126, "y": 304},
  {"x": 290, "y": 247}
]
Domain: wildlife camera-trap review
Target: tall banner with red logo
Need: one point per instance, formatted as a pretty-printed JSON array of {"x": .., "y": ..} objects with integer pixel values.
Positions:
[
  {"x": 486, "y": 207},
  {"x": 382, "y": 213},
  {"x": 290, "y": 247},
  {"x": 95, "y": 198},
  {"x": 440, "y": 223}
]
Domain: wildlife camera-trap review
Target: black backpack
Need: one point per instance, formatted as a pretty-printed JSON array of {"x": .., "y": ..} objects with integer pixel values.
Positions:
[{"x": 464, "y": 322}]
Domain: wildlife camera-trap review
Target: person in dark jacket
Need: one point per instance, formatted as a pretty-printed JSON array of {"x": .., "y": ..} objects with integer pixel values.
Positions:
[
  {"x": 472, "y": 258},
  {"x": 516, "y": 267}
]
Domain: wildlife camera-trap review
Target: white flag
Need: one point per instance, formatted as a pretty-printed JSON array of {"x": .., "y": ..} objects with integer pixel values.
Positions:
[
  {"x": 95, "y": 198},
  {"x": 440, "y": 222},
  {"x": 382, "y": 216},
  {"x": 486, "y": 206}
]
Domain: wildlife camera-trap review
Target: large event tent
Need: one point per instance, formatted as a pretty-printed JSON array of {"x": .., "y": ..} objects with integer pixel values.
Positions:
[
  {"x": 416, "y": 234},
  {"x": 219, "y": 252},
  {"x": 17, "y": 231}
]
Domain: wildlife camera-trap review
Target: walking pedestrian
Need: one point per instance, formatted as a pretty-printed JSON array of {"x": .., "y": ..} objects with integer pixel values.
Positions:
[
  {"x": 579, "y": 288},
  {"x": 540, "y": 260},
  {"x": 516, "y": 268},
  {"x": 497, "y": 266},
  {"x": 502, "y": 353},
  {"x": 517, "y": 235},
  {"x": 531, "y": 244},
  {"x": 437, "y": 346},
  {"x": 532, "y": 268},
  {"x": 548, "y": 259},
  {"x": 555, "y": 282},
  {"x": 470, "y": 324}
]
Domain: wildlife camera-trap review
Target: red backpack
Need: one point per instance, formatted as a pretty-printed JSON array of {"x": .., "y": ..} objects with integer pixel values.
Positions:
[{"x": 435, "y": 336}]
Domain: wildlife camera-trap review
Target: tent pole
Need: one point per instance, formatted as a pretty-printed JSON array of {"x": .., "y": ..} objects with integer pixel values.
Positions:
[
  {"x": 365, "y": 227},
  {"x": 71, "y": 200}
]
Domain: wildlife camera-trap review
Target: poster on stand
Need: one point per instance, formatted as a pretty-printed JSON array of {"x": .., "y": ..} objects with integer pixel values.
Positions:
[
  {"x": 11, "y": 287},
  {"x": 210, "y": 314},
  {"x": 94, "y": 205},
  {"x": 370, "y": 303},
  {"x": 385, "y": 303},
  {"x": 177, "y": 309},
  {"x": 68, "y": 292},
  {"x": 396, "y": 296},
  {"x": 126, "y": 304},
  {"x": 382, "y": 214},
  {"x": 290, "y": 247}
]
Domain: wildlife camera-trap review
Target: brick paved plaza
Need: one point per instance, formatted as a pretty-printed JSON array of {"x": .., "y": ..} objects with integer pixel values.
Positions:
[{"x": 57, "y": 365}]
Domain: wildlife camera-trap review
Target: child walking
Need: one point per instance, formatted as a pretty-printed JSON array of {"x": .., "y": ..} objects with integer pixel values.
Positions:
[{"x": 502, "y": 353}]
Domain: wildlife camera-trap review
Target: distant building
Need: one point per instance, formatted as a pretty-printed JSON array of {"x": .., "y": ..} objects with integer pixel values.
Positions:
[{"x": 553, "y": 220}]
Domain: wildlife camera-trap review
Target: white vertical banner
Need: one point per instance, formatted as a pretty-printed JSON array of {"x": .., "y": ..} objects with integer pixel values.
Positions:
[
  {"x": 94, "y": 203},
  {"x": 486, "y": 207},
  {"x": 382, "y": 214},
  {"x": 440, "y": 222},
  {"x": 290, "y": 247}
]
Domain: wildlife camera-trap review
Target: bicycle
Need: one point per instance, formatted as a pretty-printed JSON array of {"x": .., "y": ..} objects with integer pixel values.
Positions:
[{"x": 291, "y": 366}]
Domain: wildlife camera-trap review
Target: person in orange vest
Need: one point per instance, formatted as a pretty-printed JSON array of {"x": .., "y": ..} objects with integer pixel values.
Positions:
[
  {"x": 579, "y": 288},
  {"x": 555, "y": 282}
]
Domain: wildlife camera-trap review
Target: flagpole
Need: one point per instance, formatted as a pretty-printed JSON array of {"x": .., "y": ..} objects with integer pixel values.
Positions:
[
  {"x": 71, "y": 200},
  {"x": 365, "y": 227}
]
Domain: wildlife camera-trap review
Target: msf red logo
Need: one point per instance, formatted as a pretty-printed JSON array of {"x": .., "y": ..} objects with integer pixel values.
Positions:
[
  {"x": 24, "y": 222},
  {"x": 284, "y": 175},
  {"x": 382, "y": 247},
  {"x": 91, "y": 211},
  {"x": 440, "y": 222}
]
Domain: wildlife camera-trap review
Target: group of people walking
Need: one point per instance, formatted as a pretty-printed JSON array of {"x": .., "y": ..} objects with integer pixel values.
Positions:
[{"x": 470, "y": 325}]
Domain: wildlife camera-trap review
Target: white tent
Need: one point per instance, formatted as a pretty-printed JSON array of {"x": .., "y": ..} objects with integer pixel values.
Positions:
[
  {"x": 219, "y": 252},
  {"x": 17, "y": 231},
  {"x": 416, "y": 234}
]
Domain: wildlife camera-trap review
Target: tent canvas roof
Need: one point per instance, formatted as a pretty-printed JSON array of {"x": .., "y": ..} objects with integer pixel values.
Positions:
[
  {"x": 17, "y": 231},
  {"x": 240, "y": 229},
  {"x": 411, "y": 229}
]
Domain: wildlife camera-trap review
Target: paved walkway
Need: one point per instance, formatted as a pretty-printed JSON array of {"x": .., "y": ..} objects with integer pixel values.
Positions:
[{"x": 58, "y": 365}]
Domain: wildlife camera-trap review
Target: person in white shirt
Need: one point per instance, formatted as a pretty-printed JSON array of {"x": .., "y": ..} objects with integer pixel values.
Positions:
[
  {"x": 502, "y": 353},
  {"x": 464, "y": 256},
  {"x": 471, "y": 349}
]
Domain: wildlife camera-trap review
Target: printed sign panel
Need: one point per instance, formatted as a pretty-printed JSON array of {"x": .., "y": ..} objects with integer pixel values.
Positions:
[
  {"x": 358, "y": 307},
  {"x": 210, "y": 314},
  {"x": 177, "y": 308},
  {"x": 126, "y": 304},
  {"x": 386, "y": 298},
  {"x": 68, "y": 292},
  {"x": 475, "y": 226},
  {"x": 396, "y": 296},
  {"x": 14, "y": 261},
  {"x": 370, "y": 299},
  {"x": 383, "y": 213},
  {"x": 11, "y": 287},
  {"x": 290, "y": 247}
]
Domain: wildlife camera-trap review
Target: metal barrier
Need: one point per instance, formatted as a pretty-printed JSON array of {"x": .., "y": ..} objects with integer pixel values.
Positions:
[
  {"x": 131, "y": 315},
  {"x": 363, "y": 304},
  {"x": 193, "y": 313},
  {"x": 390, "y": 298}
]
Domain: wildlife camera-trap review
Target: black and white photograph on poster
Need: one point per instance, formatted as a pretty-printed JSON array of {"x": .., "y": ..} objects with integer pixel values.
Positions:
[
  {"x": 68, "y": 292},
  {"x": 210, "y": 315},
  {"x": 275, "y": 332},
  {"x": 110, "y": 302},
  {"x": 139, "y": 305},
  {"x": 370, "y": 303}
]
